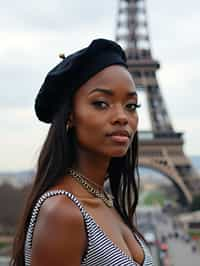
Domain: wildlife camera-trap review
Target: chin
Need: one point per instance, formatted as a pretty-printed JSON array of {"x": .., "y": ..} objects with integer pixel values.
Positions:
[
  {"x": 118, "y": 155},
  {"x": 118, "y": 152}
]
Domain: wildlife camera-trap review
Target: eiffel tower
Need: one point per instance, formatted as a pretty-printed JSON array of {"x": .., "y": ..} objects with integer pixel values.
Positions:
[{"x": 161, "y": 148}]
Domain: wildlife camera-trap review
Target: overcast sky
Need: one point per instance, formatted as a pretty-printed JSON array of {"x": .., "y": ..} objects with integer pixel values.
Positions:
[{"x": 33, "y": 33}]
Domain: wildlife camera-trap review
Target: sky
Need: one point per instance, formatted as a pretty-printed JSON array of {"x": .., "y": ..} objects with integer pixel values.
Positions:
[{"x": 33, "y": 33}]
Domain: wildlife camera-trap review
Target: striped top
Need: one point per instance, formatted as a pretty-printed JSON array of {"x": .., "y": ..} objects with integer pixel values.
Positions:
[{"x": 101, "y": 250}]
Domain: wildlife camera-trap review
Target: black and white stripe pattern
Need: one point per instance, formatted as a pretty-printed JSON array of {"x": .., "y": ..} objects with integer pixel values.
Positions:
[{"x": 101, "y": 251}]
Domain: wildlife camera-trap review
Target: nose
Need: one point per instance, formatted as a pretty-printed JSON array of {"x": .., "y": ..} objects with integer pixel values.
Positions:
[{"x": 119, "y": 116}]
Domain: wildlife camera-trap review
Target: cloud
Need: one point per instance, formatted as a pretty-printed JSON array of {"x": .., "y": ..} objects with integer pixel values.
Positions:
[
  {"x": 21, "y": 138},
  {"x": 55, "y": 15},
  {"x": 190, "y": 128},
  {"x": 34, "y": 33},
  {"x": 26, "y": 57}
]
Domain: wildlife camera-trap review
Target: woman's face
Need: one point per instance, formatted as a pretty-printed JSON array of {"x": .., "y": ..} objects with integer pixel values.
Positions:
[{"x": 104, "y": 114}]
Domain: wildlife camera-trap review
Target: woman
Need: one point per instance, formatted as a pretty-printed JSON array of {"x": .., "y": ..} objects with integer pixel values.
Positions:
[{"x": 90, "y": 100}]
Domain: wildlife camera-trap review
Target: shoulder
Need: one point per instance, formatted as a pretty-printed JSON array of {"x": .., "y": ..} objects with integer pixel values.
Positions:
[
  {"x": 59, "y": 232},
  {"x": 60, "y": 209}
]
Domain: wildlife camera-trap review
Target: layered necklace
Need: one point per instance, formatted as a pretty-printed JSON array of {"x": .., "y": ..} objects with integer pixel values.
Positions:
[{"x": 91, "y": 187}]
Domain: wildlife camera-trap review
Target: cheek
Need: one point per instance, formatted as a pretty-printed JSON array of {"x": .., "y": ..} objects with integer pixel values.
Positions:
[
  {"x": 133, "y": 122},
  {"x": 87, "y": 127}
]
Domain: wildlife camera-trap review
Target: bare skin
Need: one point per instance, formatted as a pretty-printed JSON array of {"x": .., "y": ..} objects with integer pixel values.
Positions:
[{"x": 60, "y": 231}]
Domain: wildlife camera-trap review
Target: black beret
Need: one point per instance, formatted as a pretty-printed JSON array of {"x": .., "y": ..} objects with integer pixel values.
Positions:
[{"x": 74, "y": 71}]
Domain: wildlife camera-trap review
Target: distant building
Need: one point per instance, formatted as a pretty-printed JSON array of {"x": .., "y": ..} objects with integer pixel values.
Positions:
[
  {"x": 9, "y": 179},
  {"x": 190, "y": 221},
  {"x": 18, "y": 179}
]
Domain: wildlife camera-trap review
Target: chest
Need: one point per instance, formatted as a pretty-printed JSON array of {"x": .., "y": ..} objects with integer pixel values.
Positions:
[{"x": 111, "y": 224}]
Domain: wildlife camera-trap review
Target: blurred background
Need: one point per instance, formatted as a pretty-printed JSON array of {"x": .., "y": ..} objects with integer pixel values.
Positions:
[{"x": 32, "y": 36}]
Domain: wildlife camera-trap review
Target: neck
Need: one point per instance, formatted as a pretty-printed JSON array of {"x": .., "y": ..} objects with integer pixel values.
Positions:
[{"x": 94, "y": 169}]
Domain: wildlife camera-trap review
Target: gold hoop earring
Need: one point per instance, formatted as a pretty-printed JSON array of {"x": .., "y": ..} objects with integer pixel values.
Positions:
[{"x": 67, "y": 128}]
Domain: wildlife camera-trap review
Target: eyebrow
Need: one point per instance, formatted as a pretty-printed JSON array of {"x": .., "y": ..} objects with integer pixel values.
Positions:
[{"x": 110, "y": 92}]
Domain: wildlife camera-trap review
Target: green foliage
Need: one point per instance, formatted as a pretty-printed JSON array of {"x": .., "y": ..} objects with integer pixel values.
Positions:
[
  {"x": 154, "y": 197},
  {"x": 195, "y": 206},
  {"x": 194, "y": 232},
  {"x": 3, "y": 244}
]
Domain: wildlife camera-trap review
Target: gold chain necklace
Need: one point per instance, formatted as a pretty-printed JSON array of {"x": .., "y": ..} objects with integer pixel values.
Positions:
[{"x": 82, "y": 180}]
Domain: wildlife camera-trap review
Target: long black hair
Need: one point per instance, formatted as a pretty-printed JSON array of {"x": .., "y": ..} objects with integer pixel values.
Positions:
[{"x": 56, "y": 156}]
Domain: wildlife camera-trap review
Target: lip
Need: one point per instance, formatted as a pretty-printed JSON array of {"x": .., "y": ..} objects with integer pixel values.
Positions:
[
  {"x": 120, "y": 136},
  {"x": 120, "y": 139},
  {"x": 122, "y": 133}
]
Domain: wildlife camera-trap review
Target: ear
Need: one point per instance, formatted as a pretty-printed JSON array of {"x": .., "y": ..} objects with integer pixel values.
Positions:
[{"x": 70, "y": 120}]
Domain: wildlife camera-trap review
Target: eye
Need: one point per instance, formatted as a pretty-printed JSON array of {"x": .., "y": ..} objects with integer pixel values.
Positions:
[
  {"x": 100, "y": 104},
  {"x": 133, "y": 106}
]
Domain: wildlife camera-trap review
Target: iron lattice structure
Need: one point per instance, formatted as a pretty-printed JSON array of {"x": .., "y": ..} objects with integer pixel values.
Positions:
[{"x": 161, "y": 148}]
